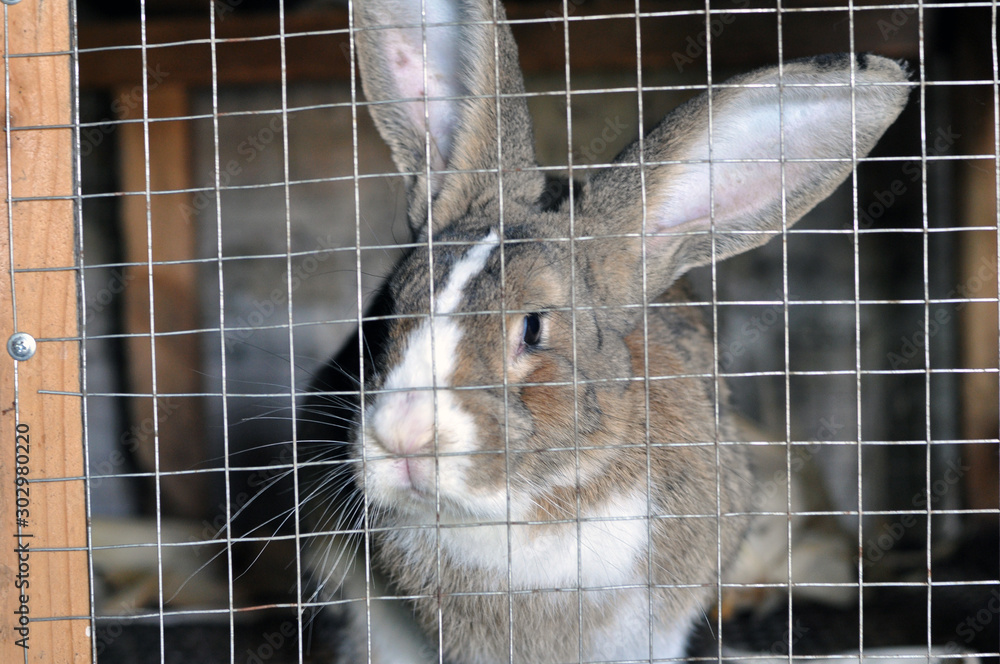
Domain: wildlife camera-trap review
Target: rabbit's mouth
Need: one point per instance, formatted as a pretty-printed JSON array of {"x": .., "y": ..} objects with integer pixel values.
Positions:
[
  {"x": 408, "y": 474},
  {"x": 428, "y": 485}
]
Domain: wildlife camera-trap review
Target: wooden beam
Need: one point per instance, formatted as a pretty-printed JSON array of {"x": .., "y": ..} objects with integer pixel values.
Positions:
[
  {"x": 46, "y": 519},
  {"x": 975, "y": 205},
  {"x": 978, "y": 279},
  {"x": 172, "y": 236},
  {"x": 317, "y": 46}
]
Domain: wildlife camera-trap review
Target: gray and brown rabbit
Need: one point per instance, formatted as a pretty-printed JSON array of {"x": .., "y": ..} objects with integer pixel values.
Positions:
[{"x": 544, "y": 456}]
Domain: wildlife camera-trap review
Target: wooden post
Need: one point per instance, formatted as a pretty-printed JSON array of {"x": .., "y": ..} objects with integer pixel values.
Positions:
[
  {"x": 978, "y": 271},
  {"x": 46, "y": 520},
  {"x": 172, "y": 235}
]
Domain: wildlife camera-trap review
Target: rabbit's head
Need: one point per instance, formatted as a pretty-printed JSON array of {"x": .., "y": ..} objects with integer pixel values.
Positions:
[{"x": 516, "y": 335}]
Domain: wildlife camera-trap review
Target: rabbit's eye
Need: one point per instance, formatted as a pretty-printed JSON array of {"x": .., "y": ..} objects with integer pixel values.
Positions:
[{"x": 532, "y": 330}]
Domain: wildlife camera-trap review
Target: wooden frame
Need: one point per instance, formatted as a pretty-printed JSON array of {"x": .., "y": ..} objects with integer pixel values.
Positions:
[
  {"x": 248, "y": 47},
  {"x": 39, "y": 285},
  {"x": 44, "y": 516}
]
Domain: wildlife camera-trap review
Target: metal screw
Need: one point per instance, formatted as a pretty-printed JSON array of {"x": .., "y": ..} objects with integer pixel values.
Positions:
[{"x": 21, "y": 346}]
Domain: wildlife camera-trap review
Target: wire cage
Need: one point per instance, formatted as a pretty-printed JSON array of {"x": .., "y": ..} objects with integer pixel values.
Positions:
[{"x": 201, "y": 212}]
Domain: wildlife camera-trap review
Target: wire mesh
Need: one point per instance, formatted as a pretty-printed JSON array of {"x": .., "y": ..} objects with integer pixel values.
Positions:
[{"x": 239, "y": 213}]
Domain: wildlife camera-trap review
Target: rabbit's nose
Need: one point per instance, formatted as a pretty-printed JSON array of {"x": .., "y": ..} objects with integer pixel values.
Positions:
[{"x": 403, "y": 422}]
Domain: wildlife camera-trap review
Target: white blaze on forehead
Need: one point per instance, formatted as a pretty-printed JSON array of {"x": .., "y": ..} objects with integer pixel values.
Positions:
[
  {"x": 429, "y": 359},
  {"x": 471, "y": 264}
]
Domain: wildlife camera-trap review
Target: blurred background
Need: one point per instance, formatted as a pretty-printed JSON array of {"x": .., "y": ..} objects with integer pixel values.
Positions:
[{"x": 864, "y": 342}]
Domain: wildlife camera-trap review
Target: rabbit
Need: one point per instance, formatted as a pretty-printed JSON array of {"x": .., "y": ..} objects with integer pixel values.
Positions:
[{"x": 543, "y": 463}]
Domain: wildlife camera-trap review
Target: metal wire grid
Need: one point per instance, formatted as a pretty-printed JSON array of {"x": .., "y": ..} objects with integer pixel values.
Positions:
[{"x": 286, "y": 183}]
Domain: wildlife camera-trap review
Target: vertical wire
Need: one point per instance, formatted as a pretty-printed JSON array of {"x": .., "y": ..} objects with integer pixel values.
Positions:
[
  {"x": 572, "y": 311},
  {"x": 222, "y": 339},
  {"x": 9, "y": 183},
  {"x": 785, "y": 297},
  {"x": 856, "y": 264},
  {"x": 10, "y": 216},
  {"x": 925, "y": 246},
  {"x": 10, "y": 223},
  {"x": 503, "y": 326},
  {"x": 359, "y": 299},
  {"x": 222, "y": 333},
  {"x": 713, "y": 267},
  {"x": 296, "y": 490},
  {"x": 82, "y": 321},
  {"x": 431, "y": 313},
  {"x": 143, "y": 47},
  {"x": 647, "y": 425}
]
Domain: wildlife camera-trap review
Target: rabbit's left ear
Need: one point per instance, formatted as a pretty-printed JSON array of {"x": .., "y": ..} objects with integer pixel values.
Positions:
[
  {"x": 726, "y": 174},
  {"x": 447, "y": 129}
]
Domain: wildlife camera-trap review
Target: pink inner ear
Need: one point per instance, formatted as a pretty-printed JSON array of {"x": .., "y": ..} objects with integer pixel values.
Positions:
[
  {"x": 740, "y": 191},
  {"x": 409, "y": 74},
  {"x": 752, "y": 136}
]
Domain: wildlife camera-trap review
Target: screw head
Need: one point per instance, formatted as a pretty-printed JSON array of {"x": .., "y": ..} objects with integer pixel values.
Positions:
[{"x": 21, "y": 346}]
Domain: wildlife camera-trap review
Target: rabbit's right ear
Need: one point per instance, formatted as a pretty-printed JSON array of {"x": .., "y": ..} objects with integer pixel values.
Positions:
[
  {"x": 720, "y": 176},
  {"x": 445, "y": 136}
]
